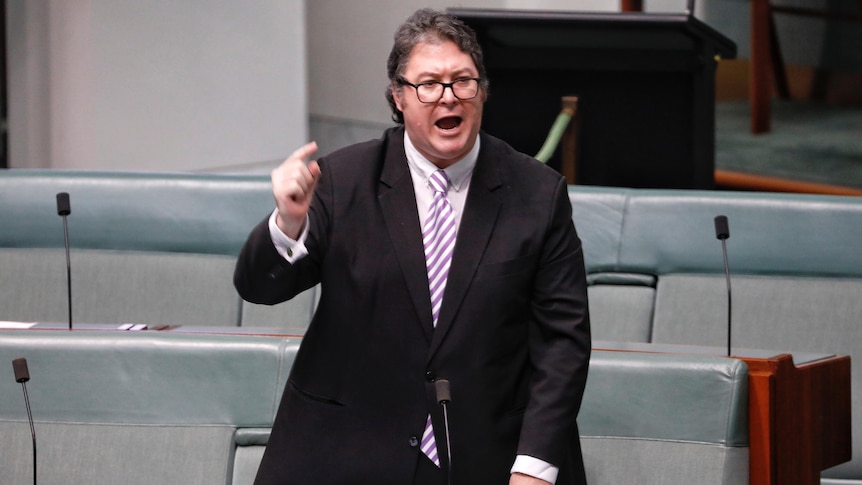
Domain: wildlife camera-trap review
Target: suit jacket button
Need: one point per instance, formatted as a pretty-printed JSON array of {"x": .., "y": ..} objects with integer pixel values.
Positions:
[
  {"x": 414, "y": 441},
  {"x": 430, "y": 377}
]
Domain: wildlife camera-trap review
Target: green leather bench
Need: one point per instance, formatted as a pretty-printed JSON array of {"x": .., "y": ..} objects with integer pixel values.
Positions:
[
  {"x": 665, "y": 418},
  {"x": 159, "y": 249},
  {"x": 146, "y": 248},
  {"x": 657, "y": 275},
  {"x": 171, "y": 407},
  {"x": 140, "y": 407}
]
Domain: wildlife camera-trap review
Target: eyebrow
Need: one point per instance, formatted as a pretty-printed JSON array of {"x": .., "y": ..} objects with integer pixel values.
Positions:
[{"x": 459, "y": 73}]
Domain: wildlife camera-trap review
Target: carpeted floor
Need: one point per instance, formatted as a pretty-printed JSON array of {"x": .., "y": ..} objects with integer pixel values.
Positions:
[{"x": 810, "y": 141}]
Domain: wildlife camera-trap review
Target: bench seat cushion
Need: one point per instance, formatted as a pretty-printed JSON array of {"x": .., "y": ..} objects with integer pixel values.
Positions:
[{"x": 683, "y": 419}]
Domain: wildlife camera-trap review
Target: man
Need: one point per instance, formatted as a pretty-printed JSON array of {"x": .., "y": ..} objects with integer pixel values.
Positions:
[{"x": 498, "y": 308}]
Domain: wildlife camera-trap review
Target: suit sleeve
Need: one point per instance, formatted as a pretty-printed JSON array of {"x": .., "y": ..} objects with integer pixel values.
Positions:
[
  {"x": 261, "y": 274},
  {"x": 264, "y": 276},
  {"x": 559, "y": 339}
]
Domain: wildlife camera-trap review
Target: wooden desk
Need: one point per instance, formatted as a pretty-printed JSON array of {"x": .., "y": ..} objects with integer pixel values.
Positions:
[
  {"x": 763, "y": 56},
  {"x": 799, "y": 412},
  {"x": 766, "y": 62},
  {"x": 645, "y": 85},
  {"x": 799, "y": 418}
]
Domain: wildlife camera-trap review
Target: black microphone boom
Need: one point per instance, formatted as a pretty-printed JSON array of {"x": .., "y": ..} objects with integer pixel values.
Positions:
[
  {"x": 64, "y": 209},
  {"x": 722, "y": 232},
  {"x": 22, "y": 375},
  {"x": 444, "y": 397}
]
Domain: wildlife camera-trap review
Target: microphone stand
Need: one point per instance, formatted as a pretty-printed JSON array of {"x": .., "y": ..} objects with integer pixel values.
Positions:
[
  {"x": 722, "y": 232},
  {"x": 729, "y": 302},
  {"x": 32, "y": 428},
  {"x": 68, "y": 270},
  {"x": 64, "y": 209},
  {"x": 22, "y": 375},
  {"x": 444, "y": 397}
]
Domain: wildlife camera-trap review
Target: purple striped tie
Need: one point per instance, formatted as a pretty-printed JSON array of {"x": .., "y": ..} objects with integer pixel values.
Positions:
[{"x": 438, "y": 236}]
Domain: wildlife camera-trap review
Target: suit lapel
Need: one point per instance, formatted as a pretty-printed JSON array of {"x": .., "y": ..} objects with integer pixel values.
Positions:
[
  {"x": 398, "y": 204},
  {"x": 477, "y": 224}
]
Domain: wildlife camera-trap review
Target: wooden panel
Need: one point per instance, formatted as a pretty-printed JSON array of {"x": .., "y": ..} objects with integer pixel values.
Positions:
[
  {"x": 799, "y": 418},
  {"x": 760, "y": 80},
  {"x": 761, "y": 384}
]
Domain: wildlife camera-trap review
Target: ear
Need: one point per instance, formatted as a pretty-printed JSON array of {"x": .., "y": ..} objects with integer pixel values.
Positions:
[{"x": 396, "y": 96}]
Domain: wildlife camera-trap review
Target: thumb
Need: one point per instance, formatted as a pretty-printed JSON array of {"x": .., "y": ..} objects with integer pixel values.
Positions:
[{"x": 315, "y": 170}]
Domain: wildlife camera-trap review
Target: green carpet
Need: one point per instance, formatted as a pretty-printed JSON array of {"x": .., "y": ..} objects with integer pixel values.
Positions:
[{"x": 810, "y": 141}]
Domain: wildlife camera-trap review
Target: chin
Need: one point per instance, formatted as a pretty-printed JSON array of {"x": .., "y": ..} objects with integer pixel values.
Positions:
[{"x": 449, "y": 154}]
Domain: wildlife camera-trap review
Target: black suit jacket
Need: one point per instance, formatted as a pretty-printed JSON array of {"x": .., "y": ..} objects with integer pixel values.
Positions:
[{"x": 513, "y": 335}]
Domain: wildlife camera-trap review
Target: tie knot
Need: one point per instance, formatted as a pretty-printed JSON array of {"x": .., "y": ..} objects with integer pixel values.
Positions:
[{"x": 439, "y": 181}]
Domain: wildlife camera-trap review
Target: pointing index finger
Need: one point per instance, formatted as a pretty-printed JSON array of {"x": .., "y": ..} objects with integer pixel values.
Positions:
[{"x": 305, "y": 152}]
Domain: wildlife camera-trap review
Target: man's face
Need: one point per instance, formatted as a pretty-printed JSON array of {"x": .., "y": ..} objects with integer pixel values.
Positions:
[{"x": 446, "y": 130}]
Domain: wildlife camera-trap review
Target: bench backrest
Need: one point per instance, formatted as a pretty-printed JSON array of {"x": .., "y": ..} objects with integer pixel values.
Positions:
[
  {"x": 657, "y": 273},
  {"x": 151, "y": 248},
  {"x": 139, "y": 407}
]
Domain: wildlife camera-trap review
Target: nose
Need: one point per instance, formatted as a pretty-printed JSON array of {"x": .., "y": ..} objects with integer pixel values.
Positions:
[{"x": 448, "y": 95}]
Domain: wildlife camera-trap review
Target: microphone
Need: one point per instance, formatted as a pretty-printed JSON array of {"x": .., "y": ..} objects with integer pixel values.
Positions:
[
  {"x": 63, "y": 210},
  {"x": 22, "y": 375},
  {"x": 722, "y": 233},
  {"x": 444, "y": 397}
]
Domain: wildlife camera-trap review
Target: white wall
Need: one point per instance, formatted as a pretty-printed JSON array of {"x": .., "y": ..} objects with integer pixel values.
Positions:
[{"x": 156, "y": 84}]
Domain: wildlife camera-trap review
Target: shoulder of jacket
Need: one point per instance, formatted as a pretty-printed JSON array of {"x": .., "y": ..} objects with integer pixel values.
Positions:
[{"x": 519, "y": 166}]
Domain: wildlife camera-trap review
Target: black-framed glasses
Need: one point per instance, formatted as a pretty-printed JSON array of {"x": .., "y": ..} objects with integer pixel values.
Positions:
[{"x": 431, "y": 91}]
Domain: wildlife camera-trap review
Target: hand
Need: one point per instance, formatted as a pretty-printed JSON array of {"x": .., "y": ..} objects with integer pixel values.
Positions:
[
  {"x": 293, "y": 184},
  {"x": 521, "y": 479}
]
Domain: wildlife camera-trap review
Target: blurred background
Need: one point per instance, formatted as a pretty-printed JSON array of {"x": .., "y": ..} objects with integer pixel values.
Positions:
[{"x": 226, "y": 86}]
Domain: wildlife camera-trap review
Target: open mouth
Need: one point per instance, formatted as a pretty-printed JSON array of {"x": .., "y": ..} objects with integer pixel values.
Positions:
[{"x": 449, "y": 122}]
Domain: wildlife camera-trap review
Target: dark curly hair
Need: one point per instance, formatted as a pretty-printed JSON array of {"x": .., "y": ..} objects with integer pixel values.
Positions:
[{"x": 428, "y": 26}]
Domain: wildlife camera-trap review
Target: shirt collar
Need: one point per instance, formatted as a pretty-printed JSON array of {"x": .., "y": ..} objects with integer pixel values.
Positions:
[{"x": 458, "y": 173}]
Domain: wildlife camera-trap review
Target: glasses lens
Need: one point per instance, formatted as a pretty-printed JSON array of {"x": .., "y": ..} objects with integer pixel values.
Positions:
[
  {"x": 465, "y": 88},
  {"x": 429, "y": 92}
]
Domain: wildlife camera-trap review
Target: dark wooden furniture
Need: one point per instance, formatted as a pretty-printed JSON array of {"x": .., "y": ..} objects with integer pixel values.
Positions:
[{"x": 645, "y": 85}]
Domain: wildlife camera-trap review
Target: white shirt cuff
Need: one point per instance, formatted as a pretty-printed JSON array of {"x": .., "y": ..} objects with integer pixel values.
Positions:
[
  {"x": 289, "y": 249},
  {"x": 535, "y": 468}
]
